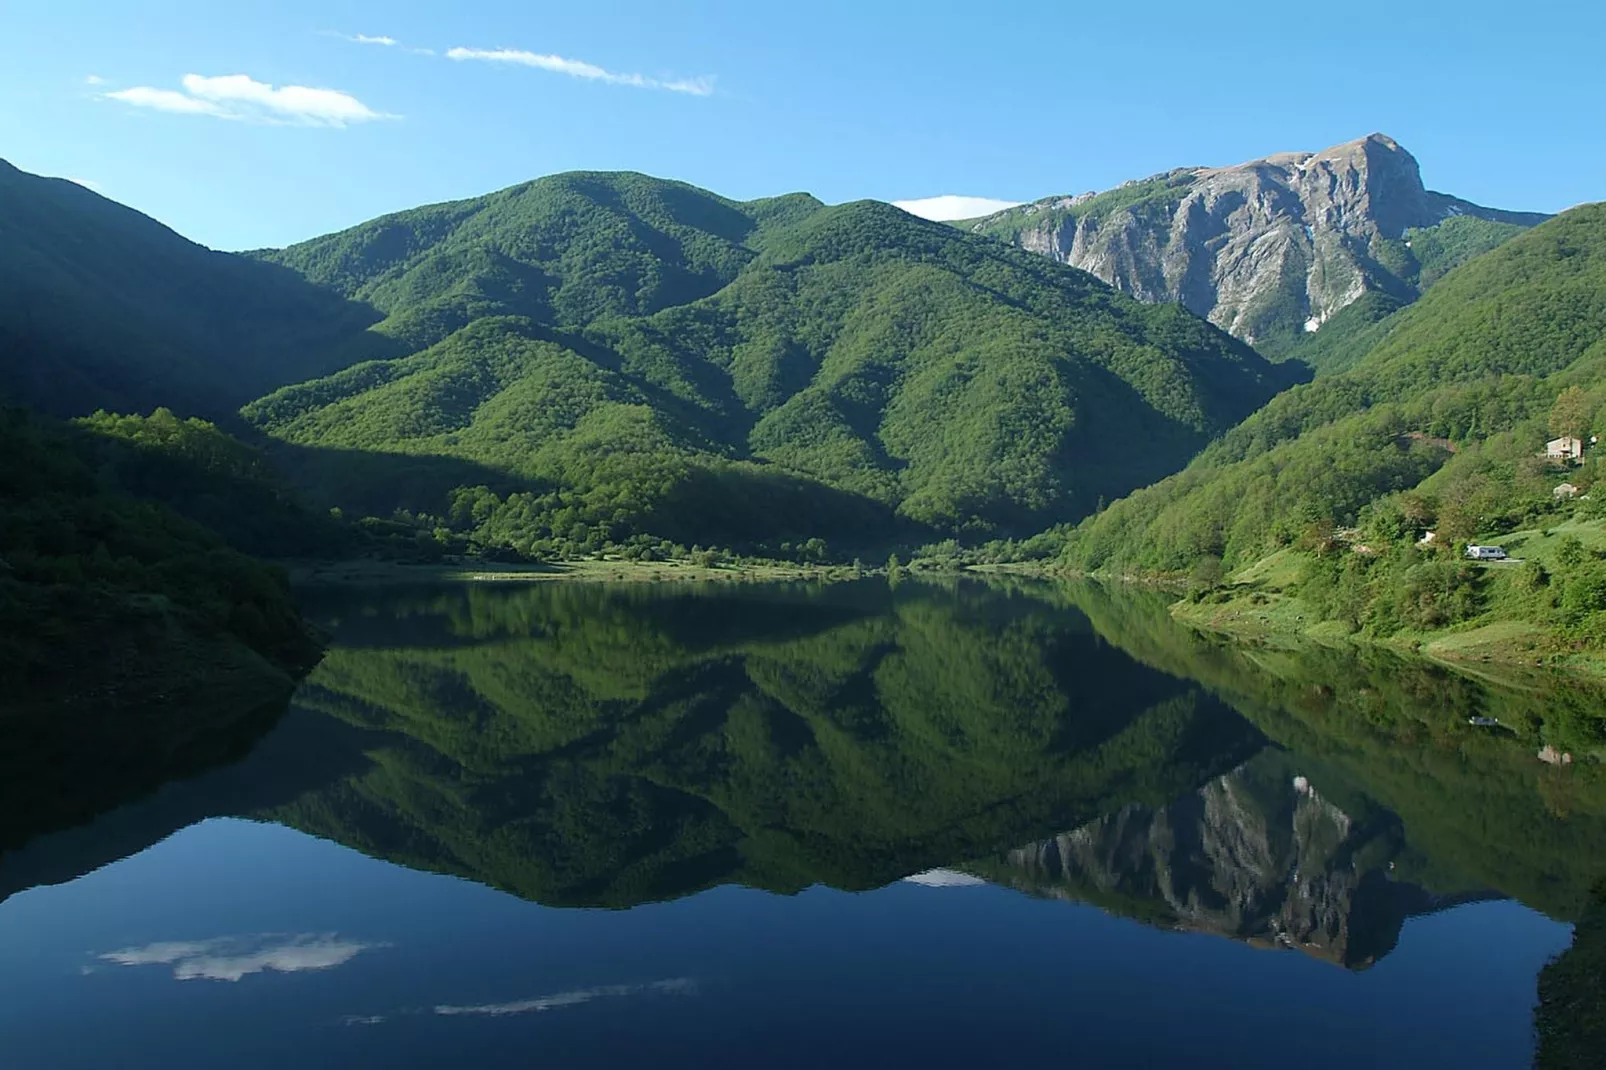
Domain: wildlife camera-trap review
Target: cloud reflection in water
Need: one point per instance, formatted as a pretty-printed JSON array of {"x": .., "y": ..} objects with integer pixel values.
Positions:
[{"x": 229, "y": 958}]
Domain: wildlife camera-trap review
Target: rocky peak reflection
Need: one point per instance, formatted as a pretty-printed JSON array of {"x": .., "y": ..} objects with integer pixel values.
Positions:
[{"x": 583, "y": 745}]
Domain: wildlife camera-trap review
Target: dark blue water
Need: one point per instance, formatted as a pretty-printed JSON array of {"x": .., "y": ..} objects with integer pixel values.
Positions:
[{"x": 932, "y": 828}]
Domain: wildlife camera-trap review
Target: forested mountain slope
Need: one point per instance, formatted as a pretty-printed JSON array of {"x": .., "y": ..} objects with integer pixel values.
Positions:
[
  {"x": 1273, "y": 249},
  {"x": 102, "y": 307},
  {"x": 107, "y": 600},
  {"x": 1464, "y": 380},
  {"x": 563, "y": 250},
  {"x": 649, "y": 357}
]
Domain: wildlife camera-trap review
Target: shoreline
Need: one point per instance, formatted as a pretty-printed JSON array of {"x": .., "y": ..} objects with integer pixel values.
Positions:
[
  {"x": 1508, "y": 643},
  {"x": 1277, "y": 619},
  {"x": 363, "y": 571}
]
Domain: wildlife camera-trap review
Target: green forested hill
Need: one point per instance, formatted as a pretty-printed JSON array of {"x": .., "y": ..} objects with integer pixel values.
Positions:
[
  {"x": 613, "y": 357},
  {"x": 102, "y": 307},
  {"x": 647, "y": 357},
  {"x": 107, "y": 600},
  {"x": 1464, "y": 380},
  {"x": 211, "y": 478},
  {"x": 563, "y": 250}
]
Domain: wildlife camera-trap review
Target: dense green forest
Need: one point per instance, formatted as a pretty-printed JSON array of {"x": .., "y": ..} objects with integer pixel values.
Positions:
[
  {"x": 634, "y": 357},
  {"x": 593, "y": 362},
  {"x": 199, "y": 471},
  {"x": 106, "y": 597},
  {"x": 1440, "y": 249}
]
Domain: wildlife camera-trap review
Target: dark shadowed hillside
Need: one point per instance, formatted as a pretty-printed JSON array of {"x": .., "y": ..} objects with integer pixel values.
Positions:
[{"x": 102, "y": 307}]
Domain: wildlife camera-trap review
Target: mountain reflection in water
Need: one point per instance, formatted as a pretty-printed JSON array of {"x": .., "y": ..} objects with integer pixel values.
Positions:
[
  {"x": 972, "y": 754},
  {"x": 610, "y": 747},
  {"x": 597, "y": 746}
]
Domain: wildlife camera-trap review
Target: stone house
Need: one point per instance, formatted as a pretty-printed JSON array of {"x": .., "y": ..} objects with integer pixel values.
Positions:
[{"x": 1565, "y": 449}]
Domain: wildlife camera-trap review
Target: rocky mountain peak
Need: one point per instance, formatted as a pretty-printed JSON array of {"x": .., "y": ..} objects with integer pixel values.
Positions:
[{"x": 1267, "y": 249}]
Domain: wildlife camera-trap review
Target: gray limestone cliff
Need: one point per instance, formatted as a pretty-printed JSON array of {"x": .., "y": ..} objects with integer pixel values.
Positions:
[
  {"x": 1270, "y": 249},
  {"x": 1263, "y": 859}
]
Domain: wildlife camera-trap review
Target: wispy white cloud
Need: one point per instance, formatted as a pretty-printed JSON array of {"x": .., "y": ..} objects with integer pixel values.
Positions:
[
  {"x": 951, "y": 206},
  {"x": 230, "y": 958},
  {"x": 239, "y": 96},
  {"x": 677, "y": 986},
  {"x": 577, "y": 68},
  {"x": 383, "y": 40},
  {"x": 295, "y": 103},
  {"x": 144, "y": 96},
  {"x": 674, "y": 986},
  {"x": 94, "y": 79}
]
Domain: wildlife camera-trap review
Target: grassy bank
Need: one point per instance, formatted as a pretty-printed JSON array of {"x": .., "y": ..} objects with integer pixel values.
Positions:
[
  {"x": 1262, "y": 603},
  {"x": 591, "y": 570}
]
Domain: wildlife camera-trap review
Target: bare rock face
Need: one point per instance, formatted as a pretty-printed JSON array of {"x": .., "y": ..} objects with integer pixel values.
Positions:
[
  {"x": 1273, "y": 864},
  {"x": 1271, "y": 246}
]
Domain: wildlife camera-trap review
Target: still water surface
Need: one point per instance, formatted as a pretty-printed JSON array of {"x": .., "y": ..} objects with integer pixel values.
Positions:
[{"x": 933, "y": 826}]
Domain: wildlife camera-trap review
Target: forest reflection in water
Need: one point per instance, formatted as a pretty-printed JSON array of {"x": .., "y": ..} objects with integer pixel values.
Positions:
[
  {"x": 591, "y": 746},
  {"x": 605, "y": 746}
]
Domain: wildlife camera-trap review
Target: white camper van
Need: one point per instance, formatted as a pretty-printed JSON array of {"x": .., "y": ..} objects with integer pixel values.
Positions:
[{"x": 1486, "y": 553}]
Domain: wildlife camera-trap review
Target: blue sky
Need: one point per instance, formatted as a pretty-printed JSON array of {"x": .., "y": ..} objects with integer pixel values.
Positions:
[{"x": 251, "y": 124}]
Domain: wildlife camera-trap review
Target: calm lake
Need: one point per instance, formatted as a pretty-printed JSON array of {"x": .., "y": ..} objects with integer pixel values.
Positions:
[{"x": 929, "y": 825}]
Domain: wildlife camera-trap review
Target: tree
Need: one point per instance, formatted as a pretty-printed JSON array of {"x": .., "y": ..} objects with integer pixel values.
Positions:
[
  {"x": 1570, "y": 553},
  {"x": 1318, "y": 536},
  {"x": 1207, "y": 574},
  {"x": 1456, "y": 524},
  {"x": 1417, "y": 509},
  {"x": 1569, "y": 416}
]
